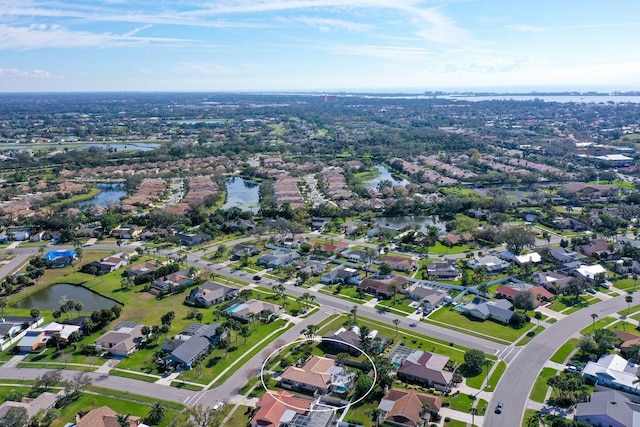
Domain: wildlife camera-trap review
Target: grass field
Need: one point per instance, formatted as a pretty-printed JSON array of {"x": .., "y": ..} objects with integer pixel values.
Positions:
[
  {"x": 496, "y": 375},
  {"x": 488, "y": 329},
  {"x": 561, "y": 355},
  {"x": 539, "y": 391},
  {"x": 599, "y": 324}
]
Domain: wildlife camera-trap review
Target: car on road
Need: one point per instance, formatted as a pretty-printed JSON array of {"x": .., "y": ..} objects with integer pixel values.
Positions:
[
  {"x": 218, "y": 406},
  {"x": 257, "y": 277},
  {"x": 499, "y": 408}
]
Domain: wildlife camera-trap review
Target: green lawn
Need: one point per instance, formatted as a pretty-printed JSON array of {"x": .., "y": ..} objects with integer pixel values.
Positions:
[
  {"x": 462, "y": 402},
  {"x": 4, "y": 390},
  {"x": 358, "y": 413},
  {"x": 219, "y": 359},
  {"x": 539, "y": 391},
  {"x": 565, "y": 302},
  {"x": 599, "y": 324},
  {"x": 561, "y": 355},
  {"x": 453, "y": 319},
  {"x": 402, "y": 305},
  {"x": 87, "y": 402},
  {"x": 496, "y": 375},
  {"x": 530, "y": 335},
  {"x": 241, "y": 416},
  {"x": 527, "y": 414},
  {"x": 441, "y": 249},
  {"x": 625, "y": 284},
  {"x": 478, "y": 380}
]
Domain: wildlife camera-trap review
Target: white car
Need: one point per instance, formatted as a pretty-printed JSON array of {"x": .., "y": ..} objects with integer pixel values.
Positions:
[{"x": 218, "y": 406}]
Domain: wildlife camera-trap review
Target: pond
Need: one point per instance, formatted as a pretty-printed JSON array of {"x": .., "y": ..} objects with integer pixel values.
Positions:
[
  {"x": 385, "y": 174},
  {"x": 399, "y": 222},
  {"x": 109, "y": 194},
  {"x": 50, "y": 298},
  {"x": 243, "y": 194}
]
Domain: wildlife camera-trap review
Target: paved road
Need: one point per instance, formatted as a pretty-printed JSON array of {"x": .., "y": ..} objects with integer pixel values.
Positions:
[
  {"x": 209, "y": 398},
  {"x": 141, "y": 388},
  {"x": 516, "y": 383}
]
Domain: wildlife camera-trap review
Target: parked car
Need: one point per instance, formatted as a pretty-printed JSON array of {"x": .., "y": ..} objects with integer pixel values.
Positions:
[
  {"x": 499, "y": 408},
  {"x": 592, "y": 291}
]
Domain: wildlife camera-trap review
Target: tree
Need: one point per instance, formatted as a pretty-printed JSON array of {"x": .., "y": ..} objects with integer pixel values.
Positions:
[
  {"x": 594, "y": 316},
  {"x": 474, "y": 359},
  {"x": 47, "y": 381},
  {"x": 473, "y": 411},
  {"x": 244, "y": 332},
  {"x": 4, "y": 303},
  {"x": 123, "y": 420},
  {"x": 385, "y": 269},
  {"x": 199, "y": 316},
  {"x": 524, "y": 300},
  {"x": 157, "y": 412},
  {"x": 78, "y": 307},
  {"x": 354, "y": 313},
  {"x": 396, "y": 322},
  {"x": 16, "y": 416},
  {"x": 629, "y": 300},
  {"x": 538, "y": 316},
  {"x": 375, "y": 414},
  {"x": 35, "y": 313},
  {"x": 518, "y": 238}
]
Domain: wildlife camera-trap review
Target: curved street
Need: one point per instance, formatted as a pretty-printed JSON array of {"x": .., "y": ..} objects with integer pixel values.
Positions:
[{"x": 521, "y": 374}]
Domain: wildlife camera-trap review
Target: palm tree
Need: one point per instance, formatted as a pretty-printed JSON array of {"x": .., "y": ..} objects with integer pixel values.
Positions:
[
  {"x": 629, "y": 300},
  {"x": 396, "y": 322},
  {"x": 375, "y": 415},
  {"x": 473, "y": 412},
  {"x": 483, "y": 288},
  {"x": 157, "y": 412},
  {"x": 534, "y": 420},
  {"x": 593, "y": 318},
  {"x": 4, "y": 302},
  {"x": 394, "y": 291},
  {"x": 123, "y": 420},
  {"x": 354, "y": 313}
]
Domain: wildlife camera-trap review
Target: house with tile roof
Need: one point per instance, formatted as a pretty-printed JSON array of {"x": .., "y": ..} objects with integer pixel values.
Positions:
[
  {"x": 408, "y": 408},
  {"x": 104, "y": 417},
  {"x": 261, "y": 308},
  {"x": 382, "y": 286},
  {"x": 426, "y": 368},
  {"x": 399, "y": 263},
  {"x": 281, "y": 408},
  {"x": 318, "y": 374}
]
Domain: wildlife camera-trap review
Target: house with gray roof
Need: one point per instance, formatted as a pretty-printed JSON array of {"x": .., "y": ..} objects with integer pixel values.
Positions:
[
  {"x": 278, "y": 258},
  {"x": 565, "y": 255},
  {"x": 185, "y": 348},
  {"x": 608, "y": 408},
  {"x": 500, "y": 310},
  {"x": 341, "y": 275},
  {"x": 210, "y": 293},
  {"x": 122, "y": 340},
  {"x": 492, "y": 263},
  {"x": 426, "y": 368}
]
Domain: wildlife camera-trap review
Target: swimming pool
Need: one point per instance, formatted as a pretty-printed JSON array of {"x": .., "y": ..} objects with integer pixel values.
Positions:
[{"x": 233, "y": 307}]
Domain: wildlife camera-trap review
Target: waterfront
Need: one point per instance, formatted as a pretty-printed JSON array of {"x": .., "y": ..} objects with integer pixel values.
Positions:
[
  {"x": 109, "y": 195},
  {"x": 51, "y": 297},
  {"x": 242, "y": 194}
]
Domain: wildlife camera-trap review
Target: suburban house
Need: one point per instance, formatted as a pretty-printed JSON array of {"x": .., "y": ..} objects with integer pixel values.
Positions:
[
  {"x": 454, "y": 238},
  {"x": 43, "y": 402},
  {"x": 331, "y": 248},
  {"x": 104, "y": 417},
  {"x": 170, "y": 282},
  {"x": 551, "y": 280},
  {"x": 510, "y": 289},
  {"x": 241, "y": 249},
  {"x": 36, "y": 336},
  {"x": 346, "y": 339},
  {"x": 318, "y": 224},
  {"x": 185, "y": 348},
  {"x": 408, "y": 408},
  {"x": 499, "y": 310},
  {"x": 588, "y": 272},
  {"x": 355, "y": 255},
  {"x": 443, "y": 270},
  {"x": 608, "y": 408},
  {"x": 59, "y": 259},
  {"x": 429, "y": 298},
  {"x": 565, "y": 255},
  {"x": 261, "y": 308},
  {"x": 144, "y": 268},
  {"x": 278, "y": 258},
  {"x": 106, "y": 264},
  {"x": 399, "y": 263},
  {"x": 318, "y": 374},
  {"x": 192, "y": 239},
  {"x": 11, "y": 327},
  {"x": 127, "y": 231},
  {"x": 344, "y": 275},
  {"x": 122, "y": 340},
  {"x": 596, "y": 248},
  {"x": 210, "y": 293},
  {"x": 426, "y": 368},
  {"x": 383, "y": 287},
  {"x": 492, "y": 263},
  {"x": 281, "y": 408},
  {"x": 614, "y": 372}
]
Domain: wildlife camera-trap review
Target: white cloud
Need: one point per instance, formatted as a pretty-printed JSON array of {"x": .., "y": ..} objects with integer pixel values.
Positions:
[
  {"x": 327, "y": 24},
  {"x": 38, "y": 36},
  {"x": 383, "y": 52},
  {"x": 17, "y": 74}
]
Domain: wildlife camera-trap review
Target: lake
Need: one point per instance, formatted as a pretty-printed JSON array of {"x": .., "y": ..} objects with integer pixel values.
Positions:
[
  {"x": 109, "y": 194},
  {"x": 243, "y": 194},
  {"x": 399, "y": 222},
  {"x": 385, "y": 174},
  {"x": 49, "y": 298}
]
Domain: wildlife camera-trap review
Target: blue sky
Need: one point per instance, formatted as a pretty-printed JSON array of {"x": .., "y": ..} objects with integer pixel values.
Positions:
[{"x": 319, "y": 45}]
